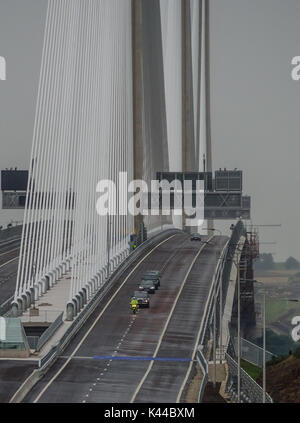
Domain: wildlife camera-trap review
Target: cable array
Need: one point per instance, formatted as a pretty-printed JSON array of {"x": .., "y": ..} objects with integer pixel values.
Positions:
[{"x": 83, "y": 134}]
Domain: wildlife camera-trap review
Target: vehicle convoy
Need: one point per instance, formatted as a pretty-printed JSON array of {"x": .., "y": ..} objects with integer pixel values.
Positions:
[
  {"x": 148, "y": 286},
  {"x": 153, "y": 275},
  {"x": 143, "y": 298}
]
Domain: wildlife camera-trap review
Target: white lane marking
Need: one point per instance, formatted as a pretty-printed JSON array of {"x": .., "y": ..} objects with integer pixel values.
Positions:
[
  {"x": 199, "y": 333},
  {"x": 167, "y": 323},
  {"x": 10, "y": 251},
  {"x": 10, "y": 261},
  {"x": 98, "y": 318}
]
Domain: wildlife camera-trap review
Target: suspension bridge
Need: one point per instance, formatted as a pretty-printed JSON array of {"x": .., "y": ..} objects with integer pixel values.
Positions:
[{"x": 125, "y": 88}]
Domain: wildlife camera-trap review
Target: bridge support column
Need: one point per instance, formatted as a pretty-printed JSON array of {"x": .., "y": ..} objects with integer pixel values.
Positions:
[
  {"x": 58, "y": 271},
  {"x": 99, "y": 279},
  {"x": 32, "y": 294},
  {"x": 79, "y": 302},
  {"x": 90, "y": 283},
  {"x": 61, "y": 270},
  {"x": 94, "y": 280},
  {"x": 51, "y": 279},
  {"x": 16, "y": 308},
  {"x": 28, "y": 297},
  {"x": 88, "y": 292},
  {"x": 24, "y": 302},
  {"x": 81, "y": 299},
  {"x": 84, "y": 293},
  {"x": 40, "y": 288},
  {"x": 103, "y": 272},
  {"x": 111, "y": 266},
  {"x": 70, "y": 311}
]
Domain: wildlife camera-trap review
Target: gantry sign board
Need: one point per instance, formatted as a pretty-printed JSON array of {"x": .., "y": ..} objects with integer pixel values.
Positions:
[
  {"x": 223, "y": 197},
  {"x": 14, "y": 186}
]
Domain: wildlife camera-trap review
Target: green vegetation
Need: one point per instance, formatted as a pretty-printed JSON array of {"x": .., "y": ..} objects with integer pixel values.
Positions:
[
  {"x": 251, "y": 369},
  {"x": 274, "y": 309},
  {"x": 292, "y": 263}
]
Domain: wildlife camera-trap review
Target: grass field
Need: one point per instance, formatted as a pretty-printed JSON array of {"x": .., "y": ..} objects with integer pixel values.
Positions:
[{"x": 251, "y": 369}]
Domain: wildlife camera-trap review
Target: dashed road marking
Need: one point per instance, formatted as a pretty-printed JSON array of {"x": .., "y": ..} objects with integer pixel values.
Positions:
[{"x": 38, "y": 397}]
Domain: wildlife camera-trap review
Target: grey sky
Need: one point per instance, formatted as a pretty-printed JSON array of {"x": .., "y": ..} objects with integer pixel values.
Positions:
[{"x": 255, "y": 103}]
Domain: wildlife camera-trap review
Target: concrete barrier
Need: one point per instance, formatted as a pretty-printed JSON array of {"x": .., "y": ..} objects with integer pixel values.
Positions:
[{"x": 26, "y": 386}]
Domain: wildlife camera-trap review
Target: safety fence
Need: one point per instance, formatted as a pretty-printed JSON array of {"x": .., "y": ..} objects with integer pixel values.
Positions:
[
  {"x": 206, "y": 333},
  {"x": 253, "y": 353},
  {"x": 250, "y": 391},
  {"x": 204, "y": 367}
]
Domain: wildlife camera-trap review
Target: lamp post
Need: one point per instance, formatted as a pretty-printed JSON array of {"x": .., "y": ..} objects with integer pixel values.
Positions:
[
  {"x": 237, "y": 265},
  {"x": 264, "y": 340},
  {"x": 215, "y": 321}
]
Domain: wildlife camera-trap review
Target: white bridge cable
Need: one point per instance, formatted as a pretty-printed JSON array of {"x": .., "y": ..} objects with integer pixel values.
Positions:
[{"x": 83, "y": 134}]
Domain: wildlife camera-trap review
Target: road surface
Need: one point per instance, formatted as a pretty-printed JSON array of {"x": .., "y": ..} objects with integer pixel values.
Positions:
[
  {"x": 119, "y": 358},
  {"x": 8, "y": 270}
]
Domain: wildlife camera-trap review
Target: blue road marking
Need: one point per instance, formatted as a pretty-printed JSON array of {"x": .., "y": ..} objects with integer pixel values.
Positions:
[{"x": 108, "y": 357}]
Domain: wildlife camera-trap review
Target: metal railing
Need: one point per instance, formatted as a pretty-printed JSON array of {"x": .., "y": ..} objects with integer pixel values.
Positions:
[
  {"x": 251, "y": 392},
  {"x": 5, "y": 307},
  {"x": 222, "y": 276},
  {"x": 42, "y": 316},
  {"x": 253, "y": 353},
  {"x": 204, "y": 367},
  {"x": 49, "y": 332},
  {"x": 33, "y": 341}
]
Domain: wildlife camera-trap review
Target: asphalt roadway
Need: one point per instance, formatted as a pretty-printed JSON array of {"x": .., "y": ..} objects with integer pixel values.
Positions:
[
  {"x": 8, "y": 270},
  {"x": 120, "y": 358}
]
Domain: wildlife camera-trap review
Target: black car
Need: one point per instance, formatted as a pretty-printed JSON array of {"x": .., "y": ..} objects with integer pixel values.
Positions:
[
  {"x": 195, "y": 237},
  {"x": 147, "y": 285},
  {"x": 153, "y": 275},
  {"x": 143, "y": 298}
]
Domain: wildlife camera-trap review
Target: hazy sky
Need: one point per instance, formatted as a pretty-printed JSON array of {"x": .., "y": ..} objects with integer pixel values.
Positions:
[{"x": 255, "y": 103}]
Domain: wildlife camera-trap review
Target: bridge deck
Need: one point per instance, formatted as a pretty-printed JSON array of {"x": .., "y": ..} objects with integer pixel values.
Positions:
[
  {"x": 8, "y": 270},
  {"x": 108, "y": 360}
]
